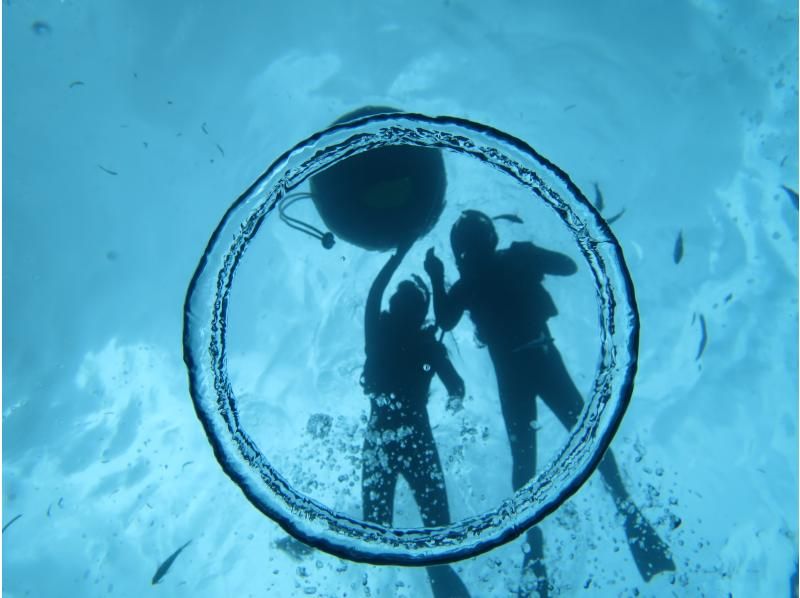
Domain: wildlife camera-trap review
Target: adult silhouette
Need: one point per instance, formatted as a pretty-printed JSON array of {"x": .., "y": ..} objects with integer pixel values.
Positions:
[
  {"x": 402, "y": 356},
  {"x": 502, "y": 290}
]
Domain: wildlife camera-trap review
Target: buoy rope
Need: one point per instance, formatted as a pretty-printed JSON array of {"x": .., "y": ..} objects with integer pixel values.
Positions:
[{"x": 297, "y": 224}]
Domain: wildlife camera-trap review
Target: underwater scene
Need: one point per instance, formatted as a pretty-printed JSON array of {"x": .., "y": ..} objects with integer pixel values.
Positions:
[{"x": 420, "y": 299}]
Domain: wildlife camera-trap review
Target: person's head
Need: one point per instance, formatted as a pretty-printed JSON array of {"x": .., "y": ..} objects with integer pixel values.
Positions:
[
  {"x": 473, "y": 237},
  {"x": 409, "y": 304}
]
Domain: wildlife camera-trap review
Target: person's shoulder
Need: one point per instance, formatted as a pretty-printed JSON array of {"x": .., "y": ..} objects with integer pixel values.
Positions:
[{"x": 519, "y": 252}]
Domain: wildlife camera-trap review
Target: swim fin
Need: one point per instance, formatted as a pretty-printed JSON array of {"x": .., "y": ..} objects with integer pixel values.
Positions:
[{"x": 650, "y": 552}]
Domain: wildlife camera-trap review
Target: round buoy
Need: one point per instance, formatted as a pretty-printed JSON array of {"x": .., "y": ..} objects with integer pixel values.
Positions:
[{"x": 384, "y": 197}]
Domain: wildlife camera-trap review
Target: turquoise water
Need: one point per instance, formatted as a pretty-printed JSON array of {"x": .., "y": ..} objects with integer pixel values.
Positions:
[{"x": 129, "y": 128}]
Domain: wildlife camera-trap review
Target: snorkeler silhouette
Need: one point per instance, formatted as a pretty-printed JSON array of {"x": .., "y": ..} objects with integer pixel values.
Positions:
[
  {"x": 402, "y": 356},
  {"x": 502, "y": 289}
]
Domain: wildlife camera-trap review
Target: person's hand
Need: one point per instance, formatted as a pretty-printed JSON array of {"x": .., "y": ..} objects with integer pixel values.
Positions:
[
  {"x": 433, "y": 265},
  {"x": 455, "y": 403}
]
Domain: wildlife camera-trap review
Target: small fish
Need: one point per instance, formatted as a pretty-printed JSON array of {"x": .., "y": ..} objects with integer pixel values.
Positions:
[
  {"x": 61, "y": 503},
  {"x": 145, "y": 144},
  {"x": 5, "y": 527},
  {"x": 616, "y": 217},
  {"x": 104, "y": 169},
  {"x": 677, "y": 252},
  {"x": 599, "y": 202},
  {"x": 570, "y": 107},
  {"x": 728, "y": 297},
  {"x": 221, "y": 151},
  {"x": 76, "y": 84},
  {"x": 510, "y": 217},
  {"x": 703, "y": 337},
  {"x": 41, "y": 28},
  {"x": 203, "y": 126},
  {"x": 164, "y": 567},
  {"x": 187, "y": 463},
  {"x": 48, "y": 509},
  {"x": 792, "y": 195}
]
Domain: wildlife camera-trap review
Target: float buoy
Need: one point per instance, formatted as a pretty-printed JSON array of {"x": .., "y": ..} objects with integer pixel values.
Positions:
[{"x": 382, "y": 197}]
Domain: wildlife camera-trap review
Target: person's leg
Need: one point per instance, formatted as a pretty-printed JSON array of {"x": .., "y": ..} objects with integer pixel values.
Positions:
[
  {"x": 422, "y": 470},
  {"x": 518, "y": 404},
  {"x": 378, "y": 480},
  {"x": 559, "y": 392},
  {"x": 516, "y": 388}
]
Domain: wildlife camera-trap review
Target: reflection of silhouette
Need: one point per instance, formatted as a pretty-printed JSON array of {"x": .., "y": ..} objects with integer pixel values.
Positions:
[
  {"x": 502, "y": 290},
  {"x": 402, "y": 357}
]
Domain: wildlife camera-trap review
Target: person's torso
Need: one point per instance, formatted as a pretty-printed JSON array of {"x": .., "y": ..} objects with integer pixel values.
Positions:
[
  {"x": 506, "y": 299},
  {"x": 400, "y": 369}
]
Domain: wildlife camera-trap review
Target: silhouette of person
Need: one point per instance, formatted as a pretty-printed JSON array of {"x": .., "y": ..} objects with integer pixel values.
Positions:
[
  {"x": 502, "y": 290},
  {"x": 402, "y": 356}
]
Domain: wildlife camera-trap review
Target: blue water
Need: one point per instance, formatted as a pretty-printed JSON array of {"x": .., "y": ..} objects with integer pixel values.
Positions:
[{"x": 129, "y": 128}]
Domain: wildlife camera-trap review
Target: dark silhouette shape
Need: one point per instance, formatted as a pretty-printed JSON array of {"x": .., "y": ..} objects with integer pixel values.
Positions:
[
  {"x": 677, "y": 252},
  {"x": 703, "y": 338},
  {"x": 383, "y": 197},
  {"x": 402, "y": 357},
  {"x": 164, "y": 567},
  {"x": 502, "y": 290}
]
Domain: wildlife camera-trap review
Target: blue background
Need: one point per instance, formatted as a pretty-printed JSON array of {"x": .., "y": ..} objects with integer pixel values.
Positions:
[{"x": 684, "y": 113}]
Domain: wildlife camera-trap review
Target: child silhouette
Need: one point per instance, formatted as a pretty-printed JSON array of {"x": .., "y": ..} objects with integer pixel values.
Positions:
[{"x": 402, "y": 356}]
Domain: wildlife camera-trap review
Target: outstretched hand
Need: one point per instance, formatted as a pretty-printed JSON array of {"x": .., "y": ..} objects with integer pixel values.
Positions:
[
  {"x": 455, "y": 404},
  {"x": 433, "y": 265}
]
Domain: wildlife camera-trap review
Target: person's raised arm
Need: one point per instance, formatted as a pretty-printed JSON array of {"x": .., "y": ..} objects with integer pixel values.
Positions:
[
  {"x": 372, "y": 310},
  {"x": 447, "y": 307}
]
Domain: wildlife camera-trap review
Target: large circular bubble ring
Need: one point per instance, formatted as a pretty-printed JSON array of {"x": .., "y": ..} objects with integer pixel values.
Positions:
[{"x": 204, "y": 340}]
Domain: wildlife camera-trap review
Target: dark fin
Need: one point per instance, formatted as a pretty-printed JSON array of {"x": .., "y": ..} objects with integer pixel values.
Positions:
[
  {"x": 793, "y": 583},
  {"x": 792, "y": 195},
  {"x": 616, "y": 217},
  {"x": 76, "y": 84},
  {"x": 221, "y": 151},
  {"x": 203, "y": 127},
  {"x": 649, "y": 551},
  {"x": 599, "y": 203},
  {"x": 510, "y": 217},
  {"x": 703, "y": 337},
  {"x": 677, "y": 252}
]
